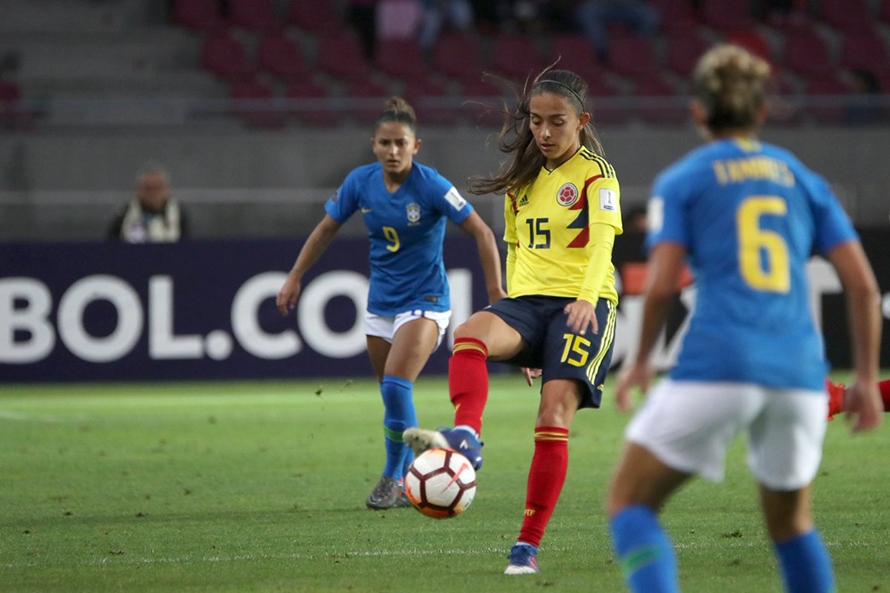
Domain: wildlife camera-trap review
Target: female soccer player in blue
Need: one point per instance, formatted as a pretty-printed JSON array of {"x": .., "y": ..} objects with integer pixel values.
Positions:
[
  {"x": 405, "y": 206},
  {"x": 746, "y": 215},
  {"x": 562, "y": 214}
]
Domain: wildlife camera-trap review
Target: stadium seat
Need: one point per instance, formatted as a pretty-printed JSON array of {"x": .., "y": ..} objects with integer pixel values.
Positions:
[
  {"x": 428, "y": 99},
  {"x": 632, "y": 56},
  {"x": 677, "y": 17},
  {"x": 884, "y": 11},
  {"x": 10, "y": 95},
  {"x": 254, "y": 15},
  {"x": 515, "y": 56},
  {"x": 483, "y": 102},
  {"x": 313, "y": 16},
  {"x": 340, "y": 54},
  {"x": 805, "y": 53},
  {"x": 249, "y": 97},
  {"x": 682, "y": 51},
  {"x": 371, "y": 96},
  {"x": 752, "y": 40},
  {"x": 199, "y": 15},
  {"x": 312, "y": 104},
  {"x": 825, "y": 95},
  {"x": 398, "y": 19},
  {"x": 726, "y": 15},
  {"x": 660, "y": 102},
  {"x": 603, "y": 102},
  {"x": 224, "y": 55},
  {"x": 400, "y": 58},
  {"x": 459, "y": 56},
  {"x": 847, "y": 16},
  {"x": 864, "y": 50},
  {"x": 575, "y": 53},
  {"x": 281, "y": 56}
]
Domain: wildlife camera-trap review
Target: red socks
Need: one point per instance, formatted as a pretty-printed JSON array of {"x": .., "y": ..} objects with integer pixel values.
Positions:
[
  {"x": 468, "y": 382},
  {"x": 884, "y": 386},
  {"x": 545, "y": 480}
]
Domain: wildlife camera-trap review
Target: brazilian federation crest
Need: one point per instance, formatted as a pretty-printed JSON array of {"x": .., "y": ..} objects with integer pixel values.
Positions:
[
  {"x": 567, "y": 194},
  {"x": 413, "y": 212}
]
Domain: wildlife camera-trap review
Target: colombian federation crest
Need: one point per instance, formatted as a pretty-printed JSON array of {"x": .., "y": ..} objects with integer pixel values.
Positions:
[
  {"x": 567, "y": 195},
  {"x": 413, "y": 212}
]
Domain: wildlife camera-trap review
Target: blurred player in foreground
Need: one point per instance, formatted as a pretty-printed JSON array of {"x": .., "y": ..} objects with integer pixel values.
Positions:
[
  {"x": 561, "y": 216},
  {"x": 747, "y": 215},
  {"x": 405, "y": 206}
]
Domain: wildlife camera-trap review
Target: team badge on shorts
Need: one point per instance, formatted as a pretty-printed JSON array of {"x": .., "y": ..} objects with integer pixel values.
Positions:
[
  {"x": 567, "y": 195},
  {"x": 413, "y": 212}
]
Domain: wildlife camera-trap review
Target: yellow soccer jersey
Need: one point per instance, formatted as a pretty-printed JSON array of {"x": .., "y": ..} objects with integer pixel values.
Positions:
[{"x": 549, "y": 224}]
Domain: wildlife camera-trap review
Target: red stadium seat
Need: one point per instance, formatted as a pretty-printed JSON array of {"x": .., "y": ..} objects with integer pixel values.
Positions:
[
  {"x": 428, "y": 100},
  {"x": 806, "y": 54},
  {"x": 847, "y": 16},
  {"x": 483, "y": 102},
  {"x": 340, "y": 54},
  {"x": 372, "y": 97},
  {"x": 660, "y": 102},
  {"x": 400, "y": 58},
  {"x": 726, "y": 15},
  {"x": 677, "y": 17},
  {"x": 199, "y": 15},
  {"x": 575, "y": 53},
  {"x": 864, "y": 50},
  {"x": 250, "y": 97},
  {"x": 281, "y": 56},
  {"x": 459, "y": 56},
  {"x": 633, "y": 56},
  {"x": 515, "y": 56},
  {"x": 254, "y": 15},
  {"x": 682, "y": 51},
  {"x": 313, "y": 104},
  {"x": 826, "y": 97},
  {"x": 313, "y": 15},
  {"x": 224, "y": 55}
]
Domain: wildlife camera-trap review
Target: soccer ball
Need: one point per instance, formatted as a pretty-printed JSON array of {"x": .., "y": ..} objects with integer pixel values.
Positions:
[{"x": 441, "y": 483}]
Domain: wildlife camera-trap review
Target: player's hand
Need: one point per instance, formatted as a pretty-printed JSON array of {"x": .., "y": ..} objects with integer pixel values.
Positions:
[
  {"x": 531, "y": 375},
  {"x": 863, "y": 408},
  {"x": 581, "y": 315},
  {"x": 637, "y": 374},
  {"x": 288, "y": 295}
]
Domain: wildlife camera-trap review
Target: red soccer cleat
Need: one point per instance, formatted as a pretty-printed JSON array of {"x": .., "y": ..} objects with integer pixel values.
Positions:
[{"x": 836, "y": 392}]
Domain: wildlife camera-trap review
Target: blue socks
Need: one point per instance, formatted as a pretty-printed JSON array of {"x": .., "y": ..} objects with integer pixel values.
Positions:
[
  {"x": 398, "y": 414},
  {"x": 805, "y": 564},
  {"x": 644, "y": 551}
]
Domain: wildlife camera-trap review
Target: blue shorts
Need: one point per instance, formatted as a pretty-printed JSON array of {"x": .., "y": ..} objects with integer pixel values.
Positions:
[{"x": 552, "y": 347}]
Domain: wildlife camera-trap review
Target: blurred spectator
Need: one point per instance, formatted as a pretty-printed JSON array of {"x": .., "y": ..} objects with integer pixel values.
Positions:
[
  {"x": 362, "y": 15},
  {"x": 153, "y": 216},
  {"x": 437, "y": 14},
  {"x": 636, "y": 220},
  {"x": 595, "y": 16}
]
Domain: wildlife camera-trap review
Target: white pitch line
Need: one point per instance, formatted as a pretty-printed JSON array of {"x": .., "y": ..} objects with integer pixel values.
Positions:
[
  {"x": 5, "y": 415},
  {"x": 123, "y": 560}
]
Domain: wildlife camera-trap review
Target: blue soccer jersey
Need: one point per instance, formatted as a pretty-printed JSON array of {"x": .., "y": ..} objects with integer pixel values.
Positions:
[
  {"x": 749, "y": 215},
  {"x": 406, "y": 229}
]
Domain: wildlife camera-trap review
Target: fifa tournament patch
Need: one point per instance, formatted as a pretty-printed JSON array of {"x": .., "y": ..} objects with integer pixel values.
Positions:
[
  {"x": 608, "y": 200},
  {"x": 567, "y": 195},
  {"x": 454, "y": 198}
]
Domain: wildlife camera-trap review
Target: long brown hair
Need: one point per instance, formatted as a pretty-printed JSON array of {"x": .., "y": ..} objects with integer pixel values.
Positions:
[{"x": 517, "y": 140}]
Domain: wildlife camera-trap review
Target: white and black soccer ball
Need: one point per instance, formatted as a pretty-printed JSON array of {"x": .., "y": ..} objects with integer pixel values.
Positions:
[{"x": 441, "y": 483}]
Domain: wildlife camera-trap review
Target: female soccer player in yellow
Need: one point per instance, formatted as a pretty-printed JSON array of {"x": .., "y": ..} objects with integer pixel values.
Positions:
[{"x": 562, "y": 214}]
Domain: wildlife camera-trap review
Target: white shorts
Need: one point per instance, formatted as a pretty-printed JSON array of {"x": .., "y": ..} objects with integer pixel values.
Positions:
[
  {"x": 689, "y": 426},
  {"x": 386, "y": 327}
]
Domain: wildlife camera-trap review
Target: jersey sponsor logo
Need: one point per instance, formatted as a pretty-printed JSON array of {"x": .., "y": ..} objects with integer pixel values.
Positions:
[
  {"x": 454, "y": 198},
  {"x": 608, "y": 200},
  {"x": 567, "y": 194},
  {"x": 413, "y": 212}
]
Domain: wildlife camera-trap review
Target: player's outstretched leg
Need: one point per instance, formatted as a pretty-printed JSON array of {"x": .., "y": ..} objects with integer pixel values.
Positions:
[
  {"x": 523, "y": 559},
  {"x": 460, "y": 439}
]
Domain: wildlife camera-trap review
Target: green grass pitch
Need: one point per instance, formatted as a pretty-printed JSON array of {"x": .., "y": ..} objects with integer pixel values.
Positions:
[{"x": 260, "y": 486}]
